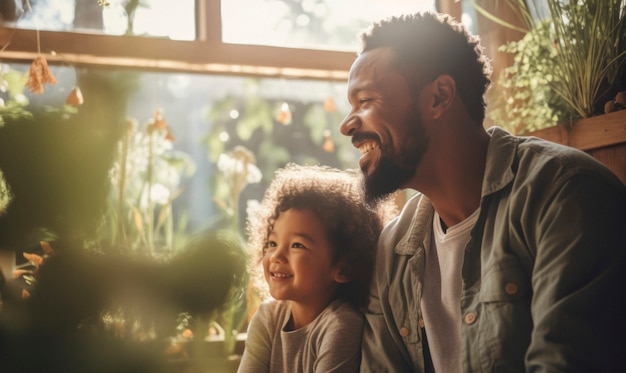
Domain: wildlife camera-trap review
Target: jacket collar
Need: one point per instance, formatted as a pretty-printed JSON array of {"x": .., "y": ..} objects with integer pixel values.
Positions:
[
  {"x": 498, "y": 174},
  {"x": 500, "y": 157}
]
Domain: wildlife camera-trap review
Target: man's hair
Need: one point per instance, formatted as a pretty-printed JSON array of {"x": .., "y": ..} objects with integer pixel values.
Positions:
[
  {"x": 429, "y": 44},
  {"x": 334, "y": 196}
]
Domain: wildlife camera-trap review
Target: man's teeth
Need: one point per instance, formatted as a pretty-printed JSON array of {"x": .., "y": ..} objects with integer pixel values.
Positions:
[
  {"x": 281, "y": 275},
  {"x": 366, "y": 147}
]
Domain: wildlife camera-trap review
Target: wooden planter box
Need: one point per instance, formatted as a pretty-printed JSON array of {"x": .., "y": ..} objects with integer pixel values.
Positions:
[{"x": 603, "y": 137}]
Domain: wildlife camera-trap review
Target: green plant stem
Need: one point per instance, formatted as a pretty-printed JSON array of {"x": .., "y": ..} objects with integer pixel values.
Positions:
[
  {"x": 150, "y": 217},
  {"x": 121, "y": 190}
]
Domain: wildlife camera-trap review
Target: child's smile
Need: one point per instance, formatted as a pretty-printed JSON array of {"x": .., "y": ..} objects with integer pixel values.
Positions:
[{"x": 298, "y": 262}]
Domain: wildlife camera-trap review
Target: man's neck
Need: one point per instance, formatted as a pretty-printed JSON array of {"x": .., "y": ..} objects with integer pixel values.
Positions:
[{"x": 452, "y": 177}]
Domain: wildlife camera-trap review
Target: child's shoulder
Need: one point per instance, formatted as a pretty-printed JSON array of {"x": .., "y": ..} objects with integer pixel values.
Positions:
[
  {"x": 339, "y": 321},
  {"x": 342, "y": 312}
]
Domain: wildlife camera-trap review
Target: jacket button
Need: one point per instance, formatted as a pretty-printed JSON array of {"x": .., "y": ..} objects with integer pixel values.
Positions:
[
  {"x": 421, "y": 323},
  {"x": 470, "y": 318},
  {"x": 404, "y": 331},
  {"x": 510, "y": 288}
]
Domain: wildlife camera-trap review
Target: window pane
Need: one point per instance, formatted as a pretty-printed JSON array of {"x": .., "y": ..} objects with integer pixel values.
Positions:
[
  {"x": 278, "y": 120},
  {"x": 152, "y": 18},
  {"x": 315, "y": 24}
]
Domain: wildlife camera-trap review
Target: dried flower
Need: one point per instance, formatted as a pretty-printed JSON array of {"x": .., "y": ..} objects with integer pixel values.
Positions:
[
  {"x": 329, "y": 145},
  {"x": 45, "y": 246},
  {"x": 169, "y": 136},
  {"x": 187, "y": 333},
  {"x": 284, "y": 114},
  {"x": 329, "y": 105},
  {"x": 35, "y": 259},
  {"x": 39, "y": 74},
  {"x": 159, "y": 122},
  {"x": 75, "y": 98}
]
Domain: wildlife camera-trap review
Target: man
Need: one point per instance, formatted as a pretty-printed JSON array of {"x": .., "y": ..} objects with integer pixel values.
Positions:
[{"x": 512, "y": 256}]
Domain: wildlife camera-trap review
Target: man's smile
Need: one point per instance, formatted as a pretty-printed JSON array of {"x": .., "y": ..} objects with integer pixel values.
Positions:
[{"x": 367, "y": 146}]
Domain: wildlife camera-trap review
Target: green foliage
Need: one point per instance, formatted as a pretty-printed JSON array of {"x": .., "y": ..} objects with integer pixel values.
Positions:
[
  {"x": 567, "y": 66},
  {"x": 13, "y": 82},
  {"x": 252, "y": 121},
  {"x": 522, "y": 99}
]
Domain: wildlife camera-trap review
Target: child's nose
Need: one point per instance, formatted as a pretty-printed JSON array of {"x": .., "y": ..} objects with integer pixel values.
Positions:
[{"x": 278, "y": 254}]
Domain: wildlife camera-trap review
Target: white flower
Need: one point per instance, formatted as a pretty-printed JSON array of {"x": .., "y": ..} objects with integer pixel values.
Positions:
[
  {"x": 254, "y": 174},
  {"x": 159, "y": 194}
]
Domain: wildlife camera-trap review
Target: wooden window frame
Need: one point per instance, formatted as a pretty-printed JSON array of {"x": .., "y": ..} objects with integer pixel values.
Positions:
[{"x": 207, "y": 54}]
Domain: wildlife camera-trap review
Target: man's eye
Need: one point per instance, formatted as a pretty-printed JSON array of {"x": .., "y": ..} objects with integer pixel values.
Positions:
[{"x": 364, "y": 100}]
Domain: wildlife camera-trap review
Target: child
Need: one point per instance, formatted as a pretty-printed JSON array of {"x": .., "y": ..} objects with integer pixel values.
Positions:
[{"x": 318, "y": 243}]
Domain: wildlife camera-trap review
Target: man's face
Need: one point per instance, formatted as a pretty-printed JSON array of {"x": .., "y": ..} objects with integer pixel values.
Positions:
[{"x": 384, "y": 124}]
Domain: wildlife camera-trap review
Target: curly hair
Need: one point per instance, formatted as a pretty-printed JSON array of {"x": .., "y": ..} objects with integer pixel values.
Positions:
[
  {"x": 432, "y": 44},
  {"x": 334, "y": 196}
]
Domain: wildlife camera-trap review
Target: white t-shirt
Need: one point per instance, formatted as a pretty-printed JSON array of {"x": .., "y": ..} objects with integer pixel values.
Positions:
[{"x": 441, "y": 295}]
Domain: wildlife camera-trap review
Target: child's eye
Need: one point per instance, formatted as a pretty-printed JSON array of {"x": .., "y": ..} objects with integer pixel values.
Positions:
[
  {"x": 298, "y": 245},
  {"x": 268, "y": 245}
]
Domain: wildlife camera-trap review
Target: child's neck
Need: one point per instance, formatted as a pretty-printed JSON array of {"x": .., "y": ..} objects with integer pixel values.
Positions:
[{"x": 303, "y": 314}]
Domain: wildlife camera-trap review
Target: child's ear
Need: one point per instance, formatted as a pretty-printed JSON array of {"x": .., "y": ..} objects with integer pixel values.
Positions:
[{"x": 344, "y": 274}]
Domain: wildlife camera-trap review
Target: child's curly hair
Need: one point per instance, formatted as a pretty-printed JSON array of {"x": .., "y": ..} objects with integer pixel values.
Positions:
[{"x": 334, "y": 196}]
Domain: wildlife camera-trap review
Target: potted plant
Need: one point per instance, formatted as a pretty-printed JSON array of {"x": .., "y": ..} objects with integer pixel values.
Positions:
[{"x": 568, "y": 79}]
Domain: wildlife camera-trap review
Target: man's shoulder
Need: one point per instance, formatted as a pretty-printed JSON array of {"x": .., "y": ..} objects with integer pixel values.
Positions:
[{"x": 540, "y": 158}]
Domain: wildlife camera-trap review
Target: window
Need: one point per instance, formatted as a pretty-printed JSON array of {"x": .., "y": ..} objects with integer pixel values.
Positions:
[
  {"x": 315, "y": 24},
  {"x": 210, "y": 91}
]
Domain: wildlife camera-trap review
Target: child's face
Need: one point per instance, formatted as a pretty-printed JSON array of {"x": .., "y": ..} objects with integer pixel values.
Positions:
[{"x": 298, "y": 262}]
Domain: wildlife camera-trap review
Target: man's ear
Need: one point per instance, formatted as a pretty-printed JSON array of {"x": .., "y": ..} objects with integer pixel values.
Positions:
[{"x": 443, "y": 92}]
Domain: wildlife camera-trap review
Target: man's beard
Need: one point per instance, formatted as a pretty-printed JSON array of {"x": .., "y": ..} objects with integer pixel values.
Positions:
[
  {"x": 385, "y": 179},
  {"x": 391, "y": 174}
]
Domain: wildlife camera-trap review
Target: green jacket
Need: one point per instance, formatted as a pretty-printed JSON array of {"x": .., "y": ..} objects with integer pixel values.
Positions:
[{"x": 544, "y": 273}]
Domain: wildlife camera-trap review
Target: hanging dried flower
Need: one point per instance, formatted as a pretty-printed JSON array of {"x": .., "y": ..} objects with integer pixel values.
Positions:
[
  {"x": 284, "y": 115},
  {"x": 329, "y": 105},
  {"x": 45, "y": 246},
  {"x": 328, "y": 146},
  {"x": 39, "y": 74},
  {"x": 75, "y": 98},
  {"x": 34, "y": 259},
  {"x": 19, "y": 273},
  {"x": 159, "y": 122},
  {"x": 169, "y": 136},
  {"x": 187, "y": 333}
]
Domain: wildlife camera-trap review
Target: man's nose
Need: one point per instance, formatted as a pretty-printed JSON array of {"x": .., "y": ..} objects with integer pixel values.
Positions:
[{"x": 349, "y": 125}]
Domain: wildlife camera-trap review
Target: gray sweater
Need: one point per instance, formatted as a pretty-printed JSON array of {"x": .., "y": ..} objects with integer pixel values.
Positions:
[{"x": 331, "y": 343}]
